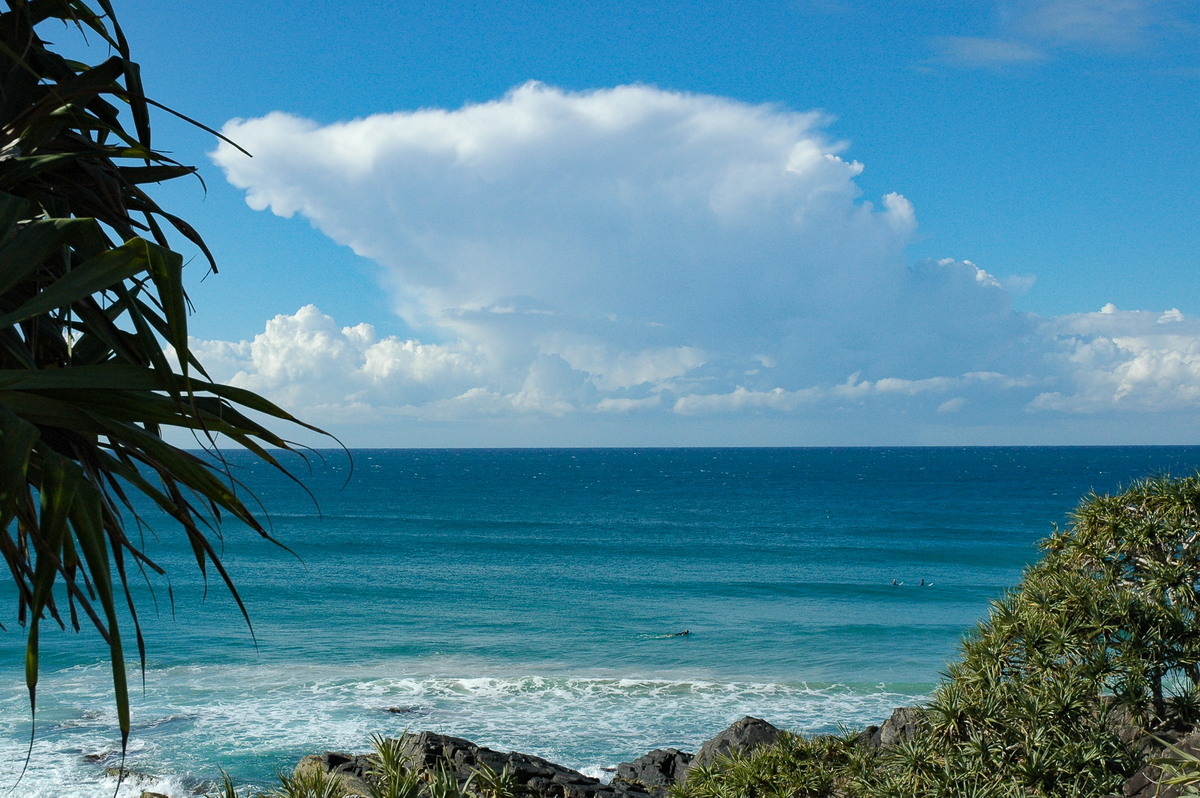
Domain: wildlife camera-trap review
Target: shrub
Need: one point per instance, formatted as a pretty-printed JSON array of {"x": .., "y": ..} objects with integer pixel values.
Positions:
[{"x": 1056, "y": 690}]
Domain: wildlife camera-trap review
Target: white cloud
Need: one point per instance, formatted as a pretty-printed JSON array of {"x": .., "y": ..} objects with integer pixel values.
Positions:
[
  {"x": 1110, "y": 361},
  {"x": 588, "y": 217},
  {"x": 306, "y": 360},
  {"x": 740, "y": 399},
  {"x": 611, "y": 405},
  {"x": 1131, "y": 360},
  {"x": 642, "y": 255}
]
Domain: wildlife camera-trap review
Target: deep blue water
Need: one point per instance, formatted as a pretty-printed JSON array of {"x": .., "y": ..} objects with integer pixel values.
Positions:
[{"x": 525, "y": 598}]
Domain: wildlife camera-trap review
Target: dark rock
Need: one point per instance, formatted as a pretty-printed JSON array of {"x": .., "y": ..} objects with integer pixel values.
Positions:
[
  {"x": 531, "y": 774},
  {"x": 659, "y": 768},
  {"x": 742, "y": 737},
  {"x": 1144, "y": 783},
  {"x": 869, "y": 736},
  {"x": 649, "y": 776},
  {"x": 1141, "y": 783},
  {"x": 902, "y": 725}
]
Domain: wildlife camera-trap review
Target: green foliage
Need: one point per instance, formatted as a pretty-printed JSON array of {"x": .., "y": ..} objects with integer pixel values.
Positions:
[
  {"x": 490, "y": 784},
  {"x": 308, "y": 783},
  {"x": 1056, "y": 690},
  {"x": 793, "y": 767},
  {"x": 91, "y": 304},
  {"x": 1141, "y": 550},
  {"x": 393, "y": 776}
]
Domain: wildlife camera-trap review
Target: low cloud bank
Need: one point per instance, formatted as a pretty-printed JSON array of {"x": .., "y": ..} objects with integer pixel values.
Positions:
[{"x": 1111, "y": 365}]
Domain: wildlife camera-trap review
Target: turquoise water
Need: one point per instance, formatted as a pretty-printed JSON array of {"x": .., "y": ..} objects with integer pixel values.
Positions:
[{"x": 525, "y": 599}]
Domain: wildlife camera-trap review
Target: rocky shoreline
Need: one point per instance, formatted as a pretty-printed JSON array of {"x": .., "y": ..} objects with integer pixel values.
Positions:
[
  {"x": 655, "y": 773},
  {"x": 652, "y": 775},
  {"x": 649, "y": 776}
]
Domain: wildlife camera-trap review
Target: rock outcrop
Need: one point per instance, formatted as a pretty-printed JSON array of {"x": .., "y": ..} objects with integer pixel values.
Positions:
[
  {"x": 903, "y": 724},
  {"x": 656, "y": 770},
  {"x": 534, "y": 775},
  {"x": 646, "y": 777},
  {"x": 662, "y": 768},
  {"x": 430, "y": 751},
  {"x": 743, "y": 736}
]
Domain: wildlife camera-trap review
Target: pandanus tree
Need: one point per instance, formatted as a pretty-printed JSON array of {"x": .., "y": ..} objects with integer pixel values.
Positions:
[
  {"x": 1061, "y": 688},
  {"x": 1141, "y": 549},
  {"x": 1098, "y": 645},
  {"x": 94, "y": 359}
]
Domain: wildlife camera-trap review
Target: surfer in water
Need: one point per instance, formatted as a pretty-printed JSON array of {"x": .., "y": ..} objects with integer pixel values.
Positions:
[{"x": 669, "y": 635}]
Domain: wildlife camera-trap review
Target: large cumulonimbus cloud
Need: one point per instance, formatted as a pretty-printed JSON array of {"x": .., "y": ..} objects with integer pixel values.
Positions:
[{"x": 637, "y": 250}]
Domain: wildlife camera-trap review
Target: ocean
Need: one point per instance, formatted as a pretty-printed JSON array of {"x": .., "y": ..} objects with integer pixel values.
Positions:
[{"x": 531, "y": 600}]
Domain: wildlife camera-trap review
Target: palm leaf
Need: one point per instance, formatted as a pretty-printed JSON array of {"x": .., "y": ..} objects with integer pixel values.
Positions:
[{"x": 91, "y": 294}]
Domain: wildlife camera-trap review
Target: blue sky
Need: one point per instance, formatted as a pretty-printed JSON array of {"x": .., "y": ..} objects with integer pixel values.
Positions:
[{"x": 809, "y": 222}]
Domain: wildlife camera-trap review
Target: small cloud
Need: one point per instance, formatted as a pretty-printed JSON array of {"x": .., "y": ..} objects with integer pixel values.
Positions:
[
  {"x": 952, "y": 405},
  {"x": 1018, "y": 284},
  {"x": 1111, "y": 24},
  {"x": 1033, "y": 31},
  {"x": 1171, "y": 316},
  {"x": 987, "y": 53},
  {"x": 614, "y": 405},
  {"x": 741, "y": 400}
]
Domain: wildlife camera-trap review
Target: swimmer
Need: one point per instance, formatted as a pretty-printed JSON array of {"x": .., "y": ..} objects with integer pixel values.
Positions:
[{"x": 684, "y": 633}]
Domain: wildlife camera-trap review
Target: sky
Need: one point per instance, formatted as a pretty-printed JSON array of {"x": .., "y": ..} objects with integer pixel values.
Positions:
[{"x": 815, "y": 222}]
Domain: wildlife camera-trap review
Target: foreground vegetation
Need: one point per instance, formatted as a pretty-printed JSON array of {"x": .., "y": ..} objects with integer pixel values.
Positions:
[
  {"x": 1057, "y": 692},
  {"x": 94, "y": 356}
]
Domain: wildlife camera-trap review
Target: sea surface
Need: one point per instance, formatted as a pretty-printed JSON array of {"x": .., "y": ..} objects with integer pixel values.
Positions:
[{"x": 530, "y": 599}]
